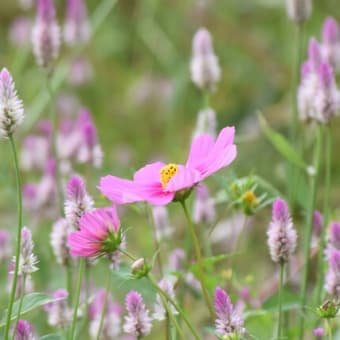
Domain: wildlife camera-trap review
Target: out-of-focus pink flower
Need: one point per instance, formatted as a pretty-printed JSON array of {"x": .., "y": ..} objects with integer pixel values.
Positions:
[
  {"x": 332, "y": 282},
  {"x": 206, "y": 123},
  {"x": 24, "y": 331},
  {"x": 11, "y": 107},
  {"x": 77, "y": 27},
  {"x": 319, "y": 333},
  {"x": 58, "y": 312},
  {"x": 58, "y": 239},
  {"x": 282, "y": 236},
  {"x": 67, "y": 104},
  {"x": 299, "y": 10},
  {"x": 331, "y": 42},
  {"x": 228, "y": 322},
  {"x": 205, "y": 70},
  {"x": 99, "y": 234},
  {"x": 158, "y": 183},
  {"x": 28, "y": 288},
  {"x": 20, "y": 32},
  {"x": 5, "y": 245},
  {"x": 138, "y": 321},
  {"x": 112, "y": 317},
  {"x": 46, "y": 34},
  {"x": 163, "y": 227},
  {"x": 204, "y": 207},
  {"x": 80, "y": 73},
  {"x": 167, "y": 286}
]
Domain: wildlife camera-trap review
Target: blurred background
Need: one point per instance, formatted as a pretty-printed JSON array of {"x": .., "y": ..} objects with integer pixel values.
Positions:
[{"x": 138, "y": 88}]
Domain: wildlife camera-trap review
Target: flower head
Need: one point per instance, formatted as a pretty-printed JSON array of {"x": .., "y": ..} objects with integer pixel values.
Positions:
[
  {"x": 332, "y": 282},
  {"x": 99, "y": 234},
  {"x": 77, "y": 26},
  {"x": 228, "y": 321},
  {"x": 299, "y": 10},
  {"x": 159, "y": 183},
  {"x": 46, "y": 34},
  {"x": 59, "y": 313},
  {"x": 11, "y": 108},
  {"x": 319, "y": 332},
  {"x": 138, "y": 321},
  {"x": 331, "y": 42},
  {"x": 167, "y": 286},
  {"x": 78, "y": 201},
  {"x": 282, "y": 236},
  {"x": 24, "y": 331},
  {"x": 59, "y": 235},
  {"x": 205, "y": 70}
]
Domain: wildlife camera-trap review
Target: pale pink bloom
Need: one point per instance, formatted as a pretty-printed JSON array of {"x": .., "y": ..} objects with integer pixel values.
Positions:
[
  {"x": 206, "y": 123},
  {"x": 331, "y": 42},
  {"x": 58, "y": 312},
  {"x": 20, "y": 32},
  {"x": 58, "y": 240},
  {"x": 163, "y": 228},
  {"x": 77, "y": 27},
  {"x": 5, "y": 245},
  {"x": 138, "y": 321},
  {"x": 45, "y": 34},
  {"x": 99, "y": 234},
  {"x": 299, "y": 10},
  {"x": 67, "y": 104},
  {"x": 158, "y": 183},
  {"x": 78, "y": 201},
  {"x": 332, "y": 282},
  {"x": 80, "y": 73},
  {"x": 11, "y": 107},
  {"x": 167, "y": 286},
  {"x": 112, "y": 317},
  {"x": 204, "y": 67},
  {"x": 26, "y": 4},
  {"x": 28, "y": 288},
  {"x": 319, "y": 332},
  {"x": 176, "y": 260},
  {"x": 204, "y": 207}
]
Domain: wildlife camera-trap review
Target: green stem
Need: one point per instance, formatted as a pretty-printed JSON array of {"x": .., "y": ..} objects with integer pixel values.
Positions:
[
  {"x": 53, "y": 119},
  {"x": 206, "y": 99},
  {"x": 308, "y": 229},
  {"x": 22, "y": 293},
  {"x": 102, "y": 317},
  {"x": 329, "y": 329},
  {"x": 18, "y": 245},
  {"x": 279, "y": 324},
  {"x": 328, "y": 164},
  {"x": 77, "y": 297},
  {"x": 199, "y": 261},
  {"x": 69, "y": 281},
  {"x": 166, "y": 296}
]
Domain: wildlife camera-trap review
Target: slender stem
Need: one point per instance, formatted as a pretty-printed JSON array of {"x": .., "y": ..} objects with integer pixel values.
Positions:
[
  {"x": 102, "y": 317},
  {"x": 206, "y": 99},
  {"x": 178, "y": 308},
  {"x": 87, "y": 286},
  {"x": 329, "y": 329},
  {"x": 69, "y": 281},
  {"x": 308, "y": 229},
  {"x": 22, "y": 293},
  {"x": 18, "y": 245},
  {"x": 279, "y": 323},
  {"x": 199, "y": 261},
  {"x": 53, "y": 119},
  {"x": 77, "y": 297},
  {"x": 327, "y": 135}
]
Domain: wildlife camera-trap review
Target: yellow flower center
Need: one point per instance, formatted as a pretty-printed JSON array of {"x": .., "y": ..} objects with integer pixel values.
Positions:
[
  {"x": 250, "y": 198},
  {"x": 167, "y": 172}
]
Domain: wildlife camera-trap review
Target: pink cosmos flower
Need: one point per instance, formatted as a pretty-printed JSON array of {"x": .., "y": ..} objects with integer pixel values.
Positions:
[
  {"x": 158, "y": 183},
  {"x": 99, "y": 233}
]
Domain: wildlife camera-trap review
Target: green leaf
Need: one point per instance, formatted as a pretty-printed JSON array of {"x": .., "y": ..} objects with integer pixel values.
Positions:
[
  {"x": 290, "y": 301},
  {"x": 51, "y": 337},
  {"x": 30, "y": 302},
  {"x": 209, "y": 261},
  {"x": 281, "y": 144}
]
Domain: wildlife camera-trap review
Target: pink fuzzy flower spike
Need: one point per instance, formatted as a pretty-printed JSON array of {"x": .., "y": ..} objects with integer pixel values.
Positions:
[
  {"x": 332, "y": 282},
  {"x": 159, "y": 183},
  {"x": 24, "y": 331},
  {"x": 99, "y": 234},
  {"x": 331, "y": 42},
  {"x": 228, "y": 322}
]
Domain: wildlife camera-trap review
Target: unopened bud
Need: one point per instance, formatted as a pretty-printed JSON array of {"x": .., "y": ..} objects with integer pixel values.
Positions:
[{"x": 140, "y": 268}]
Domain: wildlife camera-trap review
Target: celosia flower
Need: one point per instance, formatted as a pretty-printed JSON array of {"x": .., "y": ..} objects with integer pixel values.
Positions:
[
  {"x": 138, "y": 321},
  {"x": 205, "y": 70},
  {"x": 319, "y": 332},
  {"x": 228, "y": 321},
  {"x": 58, "y": 239},
  {"x": 78, "y": 201},
  {"x": 160, "y": 313},
  {"x": 24, "y": 331},
  {"x": 159, "y": 183},
  {"x": 59, "y": 313},
  {"x": 282, "y": 236},
  {"x": 46, "y": 34},
  {"x": 5, "y": 245},
  {"x": 99, "y": 234},
  {"x": 204, "y": 208},
  {"x": 317, "y": 223},
  {"x": 299, "y": 10},
  {"x": 332, "y": 282},
  {"x": 11, "y": 108},
  {"x": 112, "y": 316},
  {"x": 27, "y": 259},
  {"x": 163, "y": 227},
  {"x": 77, "y": 26},
  {"x": 206, "y": 123},
  {"x": 333, "y": 238},
  {"x": 28, "y": 287},
  {"x": 331, "y": 42}
]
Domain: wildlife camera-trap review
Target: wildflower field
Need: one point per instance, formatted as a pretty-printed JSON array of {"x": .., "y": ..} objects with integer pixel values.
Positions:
[{"x": 169, "y": 169}]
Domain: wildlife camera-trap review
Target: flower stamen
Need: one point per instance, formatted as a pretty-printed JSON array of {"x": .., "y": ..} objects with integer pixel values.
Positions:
[{"x": 167, "y": 172}]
